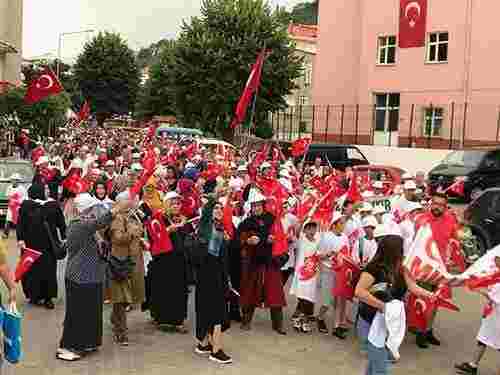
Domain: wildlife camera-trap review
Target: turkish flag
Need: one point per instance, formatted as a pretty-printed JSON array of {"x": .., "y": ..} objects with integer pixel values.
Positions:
[
  {"x": 28, "y": 258},
  {"x": 419, "y": 311},
  {"x": 353, "y": 194},
  {"x": 251, "y": 87},
  {"x": 84, "y": 113},
  {"x": 310, "y": 268},
  {"x": 280, "y": 239},
  {"x": 160, "y": 242},
  {"x": 46, "y": 84},
  {"x": 300, "y": 147},
  {"x": 227, "y": 216},
  {"x": 347, "y": 274},
  {"x": 412, "y": 23}
]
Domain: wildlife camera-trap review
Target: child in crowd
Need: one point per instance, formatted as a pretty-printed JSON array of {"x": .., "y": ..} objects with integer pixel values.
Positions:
[{"x": 305, "y": 278}]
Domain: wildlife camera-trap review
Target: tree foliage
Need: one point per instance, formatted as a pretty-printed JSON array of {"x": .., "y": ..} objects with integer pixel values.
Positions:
[
  {"x": 107, "y": 75},
  {"x": 151, "y": 55},
  {"x": 156, "y": 96},
  {"x": 213, "y": 59},
  {"x": 40, "y": 117}
]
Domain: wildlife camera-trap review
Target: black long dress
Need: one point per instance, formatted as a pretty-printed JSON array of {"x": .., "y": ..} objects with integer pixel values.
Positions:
[
  {"x": 40, "y": 282},
  {"x": 169, "y": 281}
]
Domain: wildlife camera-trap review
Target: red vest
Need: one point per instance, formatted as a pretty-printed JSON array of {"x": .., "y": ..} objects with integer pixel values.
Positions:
[{"x": 159, "y": 238}]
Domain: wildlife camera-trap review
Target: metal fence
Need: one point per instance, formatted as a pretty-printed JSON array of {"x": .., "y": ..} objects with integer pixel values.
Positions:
[{"x": 448, "y": 126}]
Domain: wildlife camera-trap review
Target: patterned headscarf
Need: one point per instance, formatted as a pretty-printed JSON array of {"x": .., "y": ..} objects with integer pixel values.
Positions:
[{"x": 151, "y": 195}]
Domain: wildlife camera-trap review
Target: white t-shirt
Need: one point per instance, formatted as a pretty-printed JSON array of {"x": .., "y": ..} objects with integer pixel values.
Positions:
[
  {"x": 364, "y": 251},
  {"x": 290, "y": 223},
  {"x": 331, "y": 242},
  {"x": 407, "y": 228}
]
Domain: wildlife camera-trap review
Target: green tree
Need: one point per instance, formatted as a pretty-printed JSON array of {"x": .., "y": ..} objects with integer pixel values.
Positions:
[
  {"x": 108, "y": 76},
  {"x": 41, "y": 118},
  {"x": 156, "y": 96},
  {"x": 213, "y": 59},
  {"x": 305, "y": 13},
  {"x": 151, "y": 55}
]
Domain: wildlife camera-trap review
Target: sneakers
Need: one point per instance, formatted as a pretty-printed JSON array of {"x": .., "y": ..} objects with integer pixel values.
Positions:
[
  {"x": 431, "y": 339},
  {"x": 322, "y": 328},
  {"x": 297, "y": 322},
  {"x": 121, "y": 340},
  {"x": 306, "y": 327},
  {"x": 221, "y": 357},
  {"x": 466, "y": 368},
  {"x": 202, "y": 350},
  {"x": 67, "y": 355}
]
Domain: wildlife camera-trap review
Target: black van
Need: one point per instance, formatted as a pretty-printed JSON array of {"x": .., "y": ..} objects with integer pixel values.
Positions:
[
  {"x": 339, "y": 156},
  {"x": 479, "y": 169}
]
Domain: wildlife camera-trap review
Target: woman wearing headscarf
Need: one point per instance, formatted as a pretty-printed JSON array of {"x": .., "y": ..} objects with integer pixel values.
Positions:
[
  {"x": 127, "y": 245},
  {"x": 190, "y": 199},
  {"x": 84, "y": 278},
  {"x": 100, "y": 192},
  {"x": 36, "y": 217},
  {"x": 212, "y": 285},
  {"x": 168, "y": 270}
]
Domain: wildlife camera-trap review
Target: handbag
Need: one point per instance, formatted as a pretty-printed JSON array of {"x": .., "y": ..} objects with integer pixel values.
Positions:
[
  {"x": 58, "y": 250},
  {"x": 120, "y": 268},
  {"x": 12, "y": 334}
]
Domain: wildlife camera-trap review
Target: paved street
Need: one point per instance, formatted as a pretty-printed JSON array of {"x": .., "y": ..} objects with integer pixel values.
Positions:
[{"x": 258, "y": 352}]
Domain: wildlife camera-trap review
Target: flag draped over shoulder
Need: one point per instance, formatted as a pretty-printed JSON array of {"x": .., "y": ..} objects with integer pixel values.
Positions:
[{"x": 251, "y": 87}]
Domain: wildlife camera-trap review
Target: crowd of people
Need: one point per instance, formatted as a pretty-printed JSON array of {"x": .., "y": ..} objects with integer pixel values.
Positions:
[{"x": 144, "y": 218}]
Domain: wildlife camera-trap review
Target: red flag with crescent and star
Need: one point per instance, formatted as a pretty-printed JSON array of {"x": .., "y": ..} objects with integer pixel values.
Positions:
[
  {"x": 46, "y": 84},
  {"x": 28, "y": 258},
  {"x": 412, "y": 23}
]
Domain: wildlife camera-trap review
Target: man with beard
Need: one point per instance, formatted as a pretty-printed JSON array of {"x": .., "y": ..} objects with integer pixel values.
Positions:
[
  {"x": 261, "y": 282},
  {"x": 444, "y": 227}
]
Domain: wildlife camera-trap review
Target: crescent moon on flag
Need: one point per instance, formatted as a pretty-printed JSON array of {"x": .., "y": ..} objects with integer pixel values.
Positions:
[
  {"x": 49, "y": 80},
  {"x": 411, "y": 5},
  {"x": 29, "y": 260}
]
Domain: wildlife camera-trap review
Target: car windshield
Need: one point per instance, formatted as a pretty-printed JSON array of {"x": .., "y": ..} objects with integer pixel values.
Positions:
[
  {"x": 464, "y": 158},
  {"x": 23, "y": 169}
]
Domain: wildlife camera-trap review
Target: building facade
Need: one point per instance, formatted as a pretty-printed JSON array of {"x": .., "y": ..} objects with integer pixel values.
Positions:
[{"x": 443, "y": 94}]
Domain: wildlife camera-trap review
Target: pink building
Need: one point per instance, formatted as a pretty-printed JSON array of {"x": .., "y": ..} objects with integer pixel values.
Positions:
[{"x": 443, "y": 94}]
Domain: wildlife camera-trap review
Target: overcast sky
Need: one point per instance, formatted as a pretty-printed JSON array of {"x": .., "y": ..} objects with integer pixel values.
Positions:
[{"x": 140, "y": 22}]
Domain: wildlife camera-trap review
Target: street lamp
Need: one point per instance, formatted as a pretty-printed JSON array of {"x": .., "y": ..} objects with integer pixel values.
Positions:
[{"x": 58, "y": 67}]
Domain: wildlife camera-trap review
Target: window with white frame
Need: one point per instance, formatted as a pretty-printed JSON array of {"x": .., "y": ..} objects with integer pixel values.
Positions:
[
  {"x": 437, "y": 47},
  {"x": 386, "y": 50},
  {"x": 307, "y": 76},
  {"x": 433, "y": 122},
  {"x": 303, "y": 100}
]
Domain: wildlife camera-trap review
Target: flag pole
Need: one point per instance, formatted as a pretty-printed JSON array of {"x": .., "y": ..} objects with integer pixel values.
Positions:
[{"x": 254, "y": 104}]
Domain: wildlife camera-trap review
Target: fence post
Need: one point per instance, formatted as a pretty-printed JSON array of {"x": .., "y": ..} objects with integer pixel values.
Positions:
[
  {"x": 272, "y": 123},
  {"x": 300, "y": 120},
  {"x": 327, "y": 120},
  {"x": 430, "y": 129},
  {"x": 498, "y": 125},
  {"x": 357, "y": 124},
  {"x": 278, "y": 125},
  {"x": 410, "y": 135},
  {"x": 342, "y": 124},
  {"x": 291, "y": 124},
  {"x": 464, "y": 128},
  {"x": 313, "y": 122},
  {"x": 452, "y": 124}
]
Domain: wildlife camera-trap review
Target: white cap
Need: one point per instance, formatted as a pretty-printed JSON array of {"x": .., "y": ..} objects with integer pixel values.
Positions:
[
  {"x": 136, "y": 167},
  {"x": 412, "y": 206},
  {"x": 171, "y": 195},
  {"x": 284, "y": 173},
  {"x": 410, "y": 185},
  {"x": 369, "y": 221},
  {"x": 85, "y": 201},
  {"x": 189, "y": 165},
  {"x": 378, "y": 185},
  {"x": 242, "y": 168},
  {"x": 379, "y": 210},
  {"x": 366, "y": 207},
  {"x": 110, "y": 163},
  {"x": 15, "y": 177},
  {"x": 42, "y": 160},
  {"x": 337, "y": 215},
  {"x": 406, "y": 176},
  {"x": 256, "y": 197}
]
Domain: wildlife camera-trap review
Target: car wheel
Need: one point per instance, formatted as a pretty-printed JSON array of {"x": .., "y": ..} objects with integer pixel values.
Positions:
[
  {"x": 475, "y": 193},
  {"x": 475, "y": 247}
]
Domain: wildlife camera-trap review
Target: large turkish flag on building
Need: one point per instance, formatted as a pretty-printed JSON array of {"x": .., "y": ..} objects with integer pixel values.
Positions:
[{"x": 412, "y": 22}]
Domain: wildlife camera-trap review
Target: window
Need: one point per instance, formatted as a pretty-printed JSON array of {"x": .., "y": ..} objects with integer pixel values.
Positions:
[
  {"x": 387, "y": 112},
  {"x": 303, "y": 100},
  {"x": 386, "y": 50},
  {"x": 437, "y": 49},
  {"x": 307, "y": 76},
  {"x": 433, "y": 122}
]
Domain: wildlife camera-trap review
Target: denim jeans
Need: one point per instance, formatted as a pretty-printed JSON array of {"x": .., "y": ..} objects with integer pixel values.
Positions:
[
  {"x": 363, "y": 328},
  {"x": 377, "y": 360}
]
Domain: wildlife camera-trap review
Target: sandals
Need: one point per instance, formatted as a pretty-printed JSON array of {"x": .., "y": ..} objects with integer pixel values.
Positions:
[{"x": 67, "y": 355}]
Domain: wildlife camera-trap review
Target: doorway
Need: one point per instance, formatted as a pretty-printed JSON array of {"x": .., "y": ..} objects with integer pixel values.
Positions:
[{"x": 386, "y": 119}]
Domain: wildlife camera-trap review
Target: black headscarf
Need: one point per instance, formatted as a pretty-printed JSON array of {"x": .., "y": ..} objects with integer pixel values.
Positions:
[{"x": 37, "y": 191}]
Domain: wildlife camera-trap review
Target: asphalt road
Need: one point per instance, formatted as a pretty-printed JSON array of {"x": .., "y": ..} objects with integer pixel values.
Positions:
[{"x": 257, "y": 352}]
